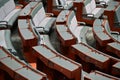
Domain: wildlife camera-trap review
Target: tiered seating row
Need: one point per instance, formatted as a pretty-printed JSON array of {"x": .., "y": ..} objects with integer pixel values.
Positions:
[
  {"x": 54, "y": 60},
  {"x": 96, "y": 75},
  {"x": 25, "y": 28},
  {"x": 89, "y": 55},
  {"x": 111, "y": 45},
  {"x": 9, "y": 13},
  {"x": 17, "y": 69},
  {"x": 105, "y": 37},
  {"x": 95, "y": 57}
]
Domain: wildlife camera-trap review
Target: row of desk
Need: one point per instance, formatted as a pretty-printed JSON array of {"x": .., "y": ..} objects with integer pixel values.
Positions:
[
  {"x": 18, "y": 69},
  {"x": 103, "y": 36},
  {"x": 69, "y": 68}
]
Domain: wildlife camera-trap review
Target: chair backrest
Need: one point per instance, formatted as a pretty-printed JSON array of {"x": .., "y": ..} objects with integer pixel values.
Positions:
[
  {"x": 9, "y": 6},
  {"x": 2, "y": 13},
  {"x": 63, "y": 2},
  {"x": 38, "y": 14},
  {"x": 117, "y": 15},
  {"x": 2, "y": 2},
  {"x": 89, "y": 6},
  {"x": 107, "y": 27},
  {"x": 93, "y": 4},
  {"x": 6, "y": 6},
  {"x": 55, "y": 3},
  {"x": 72, "y": 21}
]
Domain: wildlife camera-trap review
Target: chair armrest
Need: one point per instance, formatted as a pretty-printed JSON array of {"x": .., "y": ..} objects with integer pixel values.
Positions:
[
  {"x": 38, "y": 34},
  {"x": 88, "y": 15},
  {"x": 81, "y": 23},
  {"x": 3, "y": 24},
  {"x": 117, "y": 22},
  {"x": 40, "y": 29},
  {"x": 60, "y": 7},
  {"x": 49, "y": 14},
  {"x": 115, "y": 32},
  {"x": 19, "y": 6},
  {"x": 101, "y": 4}
]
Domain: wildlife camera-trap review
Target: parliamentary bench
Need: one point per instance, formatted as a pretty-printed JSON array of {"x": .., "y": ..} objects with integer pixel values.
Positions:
[
  {"x": 9, "y": 13},
  {"x": 97, "y": 75},
  {"x": 18, "y": 69},
  {"x": 55, "y": 61},
  {"x": 90, "y": 55},
  {"x": 101, "y": 61}
]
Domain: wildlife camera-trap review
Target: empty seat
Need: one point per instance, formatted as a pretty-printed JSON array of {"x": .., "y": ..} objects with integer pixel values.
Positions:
[
  {"x": 91, "y": 10},
  {"x": 8, "y": 13},
  {"x": 40, "y": 20},
  {"x": 74, "y": 25}
]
